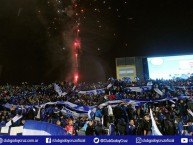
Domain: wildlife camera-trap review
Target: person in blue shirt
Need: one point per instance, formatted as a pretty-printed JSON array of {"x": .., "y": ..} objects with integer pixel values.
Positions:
[
  {"x": 179, "y": 127},
  {"x": 98, "y": 114},
  {"x": 130, "y": 128},
  {"x": 3, "y": 124}
]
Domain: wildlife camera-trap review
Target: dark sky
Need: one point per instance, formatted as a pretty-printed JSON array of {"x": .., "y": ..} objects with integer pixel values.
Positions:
[{"x": 36, "y": 36}]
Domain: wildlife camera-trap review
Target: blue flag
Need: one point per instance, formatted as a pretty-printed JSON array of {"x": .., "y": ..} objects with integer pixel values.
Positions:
[{"x": 42, "y": 128}]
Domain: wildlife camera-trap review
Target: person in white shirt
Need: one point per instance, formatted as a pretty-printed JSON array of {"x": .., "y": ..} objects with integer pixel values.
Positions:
[{"x": 110, "y": 113}]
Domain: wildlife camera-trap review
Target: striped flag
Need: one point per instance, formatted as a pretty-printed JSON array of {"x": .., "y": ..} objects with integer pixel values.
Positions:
[{"x": 155, "y": 130}]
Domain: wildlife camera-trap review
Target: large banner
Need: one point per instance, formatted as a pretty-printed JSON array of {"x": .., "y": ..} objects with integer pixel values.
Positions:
[
  {"x": 79, "y": 110},
  {"x": 32, "y": 127},
  {"x": 126, "y": 71},
  {"x": 138, "y": 89}
]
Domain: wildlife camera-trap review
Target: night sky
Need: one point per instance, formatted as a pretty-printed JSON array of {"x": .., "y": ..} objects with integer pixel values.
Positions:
[{"x": 36, "y": 36}]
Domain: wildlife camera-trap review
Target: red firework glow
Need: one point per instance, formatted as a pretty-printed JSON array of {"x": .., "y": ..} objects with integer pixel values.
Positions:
[
  {"x": 76, "y": 43},
  {"x": 75, "y": 78}
]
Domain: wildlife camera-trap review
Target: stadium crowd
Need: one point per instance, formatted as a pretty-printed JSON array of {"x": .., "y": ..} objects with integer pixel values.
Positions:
[{"x": 171, "y": 116}]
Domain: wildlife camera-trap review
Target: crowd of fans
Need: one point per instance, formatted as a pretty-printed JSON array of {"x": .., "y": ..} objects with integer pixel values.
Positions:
[{"x": 171, "y": 117}]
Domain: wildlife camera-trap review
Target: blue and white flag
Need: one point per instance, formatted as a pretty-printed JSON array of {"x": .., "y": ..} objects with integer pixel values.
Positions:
[
  {"x": 59, "y": 90},
  {"x": 91, "y": 114},
  {"x": 66, "y": 111},
  {"x": 109, "y": 86},
  {"x": 126, "y": 79},
  {"x": 137, "y": 78},
  {"x": 16, "y": 118},
  {"x": 18, "y": 130},
  {"x": 158, "y": 91},
  {"x": 93, "y": 92},
  {"x": 190, "y": 112},
  {"x": 183, "y": 97},
  {"x": 139, "y": 89},
  {"x": 42, "y": 128},
  {"x": 149, "y": 84},
  {"x": 155, "y": 130}
]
